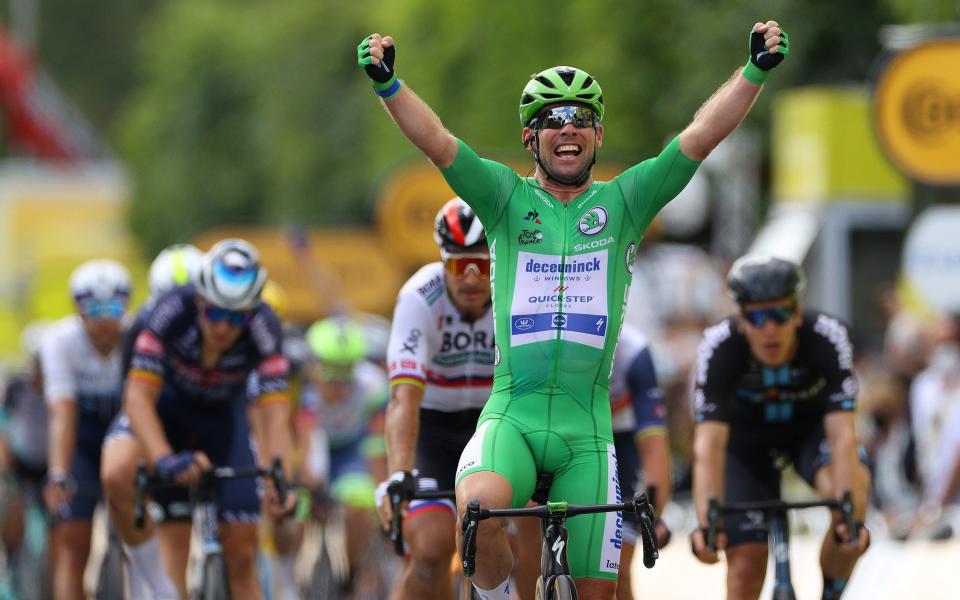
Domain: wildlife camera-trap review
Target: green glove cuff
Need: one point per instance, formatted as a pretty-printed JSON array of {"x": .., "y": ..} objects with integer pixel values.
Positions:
[
  {"x": 386, "y": 85},
  {"x": 753, "y": 73}
]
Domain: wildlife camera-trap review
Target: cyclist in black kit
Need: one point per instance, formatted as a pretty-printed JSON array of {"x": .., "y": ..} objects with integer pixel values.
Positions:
[{"x": 775, "y": 383}]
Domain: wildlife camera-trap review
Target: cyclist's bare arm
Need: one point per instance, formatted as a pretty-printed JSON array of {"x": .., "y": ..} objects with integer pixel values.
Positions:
[
  {"x": 140, "y": 406},
  {"x": 303, "y": 431},
  {"x": 415, "y": 119},
  {"x": 841, "y": 435},
  {"x": 709, "y": 461},
  {"x": 655, "y": 458},
  {"x": 275, "y": 417},
  {"x": 722, "y": 113},
  {"x": 63, "y": 434},
  {"x": 403, "y": 426}
]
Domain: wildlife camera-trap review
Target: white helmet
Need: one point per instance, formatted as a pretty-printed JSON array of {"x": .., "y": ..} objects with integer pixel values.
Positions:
[
  {"x": 231, "y": 276},
  {"x": 176, "y": 265},
  {"x": 101, "y": 280}
]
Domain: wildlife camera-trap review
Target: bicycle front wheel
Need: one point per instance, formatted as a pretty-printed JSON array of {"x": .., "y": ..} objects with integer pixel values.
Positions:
[
  {"x": 323, "y": 582},
  {"x": 215, "y": 585},
  {"x": 562, "y": 588},
  {"x": 110, "y": 584}
]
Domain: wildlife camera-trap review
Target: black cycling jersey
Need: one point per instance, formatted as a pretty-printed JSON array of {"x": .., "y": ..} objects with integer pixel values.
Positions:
[
  {"x": 168, "y": 350},
  {"x": 761, "y": 402},
  {"x": 129, "y": 339}
]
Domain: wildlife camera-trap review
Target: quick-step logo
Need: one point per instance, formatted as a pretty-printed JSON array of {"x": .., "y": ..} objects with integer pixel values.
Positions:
[{"x": 552, "y": 295}]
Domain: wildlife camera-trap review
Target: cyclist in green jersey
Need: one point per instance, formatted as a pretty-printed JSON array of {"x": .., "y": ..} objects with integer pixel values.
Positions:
[{"x": 562, "y": 249}]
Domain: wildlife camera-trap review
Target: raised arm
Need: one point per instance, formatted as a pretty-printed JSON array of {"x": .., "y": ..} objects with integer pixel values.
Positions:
[
  {"x": 722, "y": 113},
  {"x": 416, "y": 120}
]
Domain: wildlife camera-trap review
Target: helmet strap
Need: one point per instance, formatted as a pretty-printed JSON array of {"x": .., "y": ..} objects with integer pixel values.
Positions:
[{"x": 574, "y": 181}]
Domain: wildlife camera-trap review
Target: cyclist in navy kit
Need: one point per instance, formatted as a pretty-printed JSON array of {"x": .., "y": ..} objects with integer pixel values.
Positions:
[
  {"x": 774, "y": 384},
  {"x": 185, "y": 409}
]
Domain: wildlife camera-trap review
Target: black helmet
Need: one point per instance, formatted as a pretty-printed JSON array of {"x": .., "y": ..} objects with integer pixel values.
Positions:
[
  {"x": 756, "y": 278},
  {"x": 457, "y": 227}
]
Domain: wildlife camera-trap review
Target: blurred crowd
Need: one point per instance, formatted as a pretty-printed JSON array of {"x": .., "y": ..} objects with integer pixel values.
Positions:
[{"x": 908, "y": 405}]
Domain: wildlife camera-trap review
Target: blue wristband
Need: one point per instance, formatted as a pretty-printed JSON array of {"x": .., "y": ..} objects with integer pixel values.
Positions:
[{"x": 390, "y": 91}]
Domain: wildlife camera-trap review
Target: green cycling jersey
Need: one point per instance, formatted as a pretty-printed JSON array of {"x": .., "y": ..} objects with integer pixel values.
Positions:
[{"x": 561, "y": 272}]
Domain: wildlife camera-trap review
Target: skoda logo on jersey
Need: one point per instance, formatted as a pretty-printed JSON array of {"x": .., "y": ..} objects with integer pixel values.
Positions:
[
  {"x": 559, "y": 321},
  {"x": 631, "y": 256},
  {"x": 523, "y": 323},
  {"x": 496, "y": 355},
  {"x": 593, "y": 221}
]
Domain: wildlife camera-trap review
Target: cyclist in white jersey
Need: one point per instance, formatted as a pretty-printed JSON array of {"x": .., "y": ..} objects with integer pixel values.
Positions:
[
  {"x": 640, "y": 436},
  {"x": 80, "y": 357},
  {"x": 440, "y": 358}
]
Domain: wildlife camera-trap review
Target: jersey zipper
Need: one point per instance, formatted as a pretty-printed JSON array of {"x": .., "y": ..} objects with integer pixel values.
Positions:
[{"x": 560, "y": 307}]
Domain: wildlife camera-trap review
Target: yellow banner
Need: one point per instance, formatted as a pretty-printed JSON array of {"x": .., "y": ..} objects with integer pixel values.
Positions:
[{"x": 917, "y": 111}]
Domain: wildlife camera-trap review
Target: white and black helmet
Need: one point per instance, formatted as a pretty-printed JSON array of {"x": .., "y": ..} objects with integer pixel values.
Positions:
[
  {"x": 176, "y": 265},
  {"x": 100, "y": 280},
  {"x": 231, "y": 276},
  {"x": 457, "y": 227}
]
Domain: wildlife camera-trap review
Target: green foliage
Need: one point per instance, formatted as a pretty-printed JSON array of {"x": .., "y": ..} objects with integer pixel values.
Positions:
[
  {"x": 89, "y": 49},
  {"x": 255, "y": 110}
]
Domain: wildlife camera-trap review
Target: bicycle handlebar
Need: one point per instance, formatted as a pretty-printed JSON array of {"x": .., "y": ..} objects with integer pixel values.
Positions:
[
  {"x": 404, "y": 491},
  {"x": 474, "y": 514},
  {"x": 144, "y": 479},
  {"x": 715, "y": 512}
]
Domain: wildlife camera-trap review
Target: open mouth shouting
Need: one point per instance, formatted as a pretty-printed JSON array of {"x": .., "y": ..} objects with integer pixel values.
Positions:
[{"x": 568, "y": 151}]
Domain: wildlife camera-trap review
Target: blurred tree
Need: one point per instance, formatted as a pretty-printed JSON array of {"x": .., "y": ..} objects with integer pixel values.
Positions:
[
  {"x": 88, "y": 47},
  {"x": 255, "y": 110},
  {"x": 244, "y": 115}
]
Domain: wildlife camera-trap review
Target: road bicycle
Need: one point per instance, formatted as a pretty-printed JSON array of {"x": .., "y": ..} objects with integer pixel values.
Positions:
[{"x": 210, "y": 577}]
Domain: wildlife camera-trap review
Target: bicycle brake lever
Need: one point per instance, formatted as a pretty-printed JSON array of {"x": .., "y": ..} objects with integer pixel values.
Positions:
[
  {"x": 648, "y": 533},
  {"x": 468, "y": 550},
  {"x": 279, "y": 483},
  {"x": 140, "y": 485}
]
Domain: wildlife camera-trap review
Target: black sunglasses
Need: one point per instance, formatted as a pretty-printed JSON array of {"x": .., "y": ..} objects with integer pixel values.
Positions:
[{"x": 556, "y": 117}]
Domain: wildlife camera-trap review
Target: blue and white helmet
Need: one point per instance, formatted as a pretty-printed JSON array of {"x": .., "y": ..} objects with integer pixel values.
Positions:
[
  {"x": 100, "y": 280},
  {"x": 231, "y": 276}
]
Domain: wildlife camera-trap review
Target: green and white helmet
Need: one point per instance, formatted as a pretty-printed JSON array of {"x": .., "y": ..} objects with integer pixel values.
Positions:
[{"x": 559, "y": 85}]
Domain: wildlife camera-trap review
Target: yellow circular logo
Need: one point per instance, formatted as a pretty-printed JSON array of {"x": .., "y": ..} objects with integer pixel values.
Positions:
[{"x": 917, "y": 111}]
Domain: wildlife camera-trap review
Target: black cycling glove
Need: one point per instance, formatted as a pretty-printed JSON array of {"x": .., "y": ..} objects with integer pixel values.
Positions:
[
  {"x": 385, "y": 81},
  {"x": 762, "y": 59}
]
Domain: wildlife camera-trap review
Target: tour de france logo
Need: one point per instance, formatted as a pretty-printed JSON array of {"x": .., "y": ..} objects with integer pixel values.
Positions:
[{"x": 593, "y": 221}]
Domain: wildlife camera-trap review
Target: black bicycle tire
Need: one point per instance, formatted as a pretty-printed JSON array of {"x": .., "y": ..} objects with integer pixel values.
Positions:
[
  {"x": 323, "y": 583},
  {"x": 463, "y": 589},
  {"x": 563, "y": 588},
  {"x": 215, "y": 585},
  {"x": 110, "y": 581},
  {"x": 784, "y": 594}
]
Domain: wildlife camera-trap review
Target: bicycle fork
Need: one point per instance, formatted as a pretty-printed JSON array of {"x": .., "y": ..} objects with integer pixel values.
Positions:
[{"x": 780, "y": 550}]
